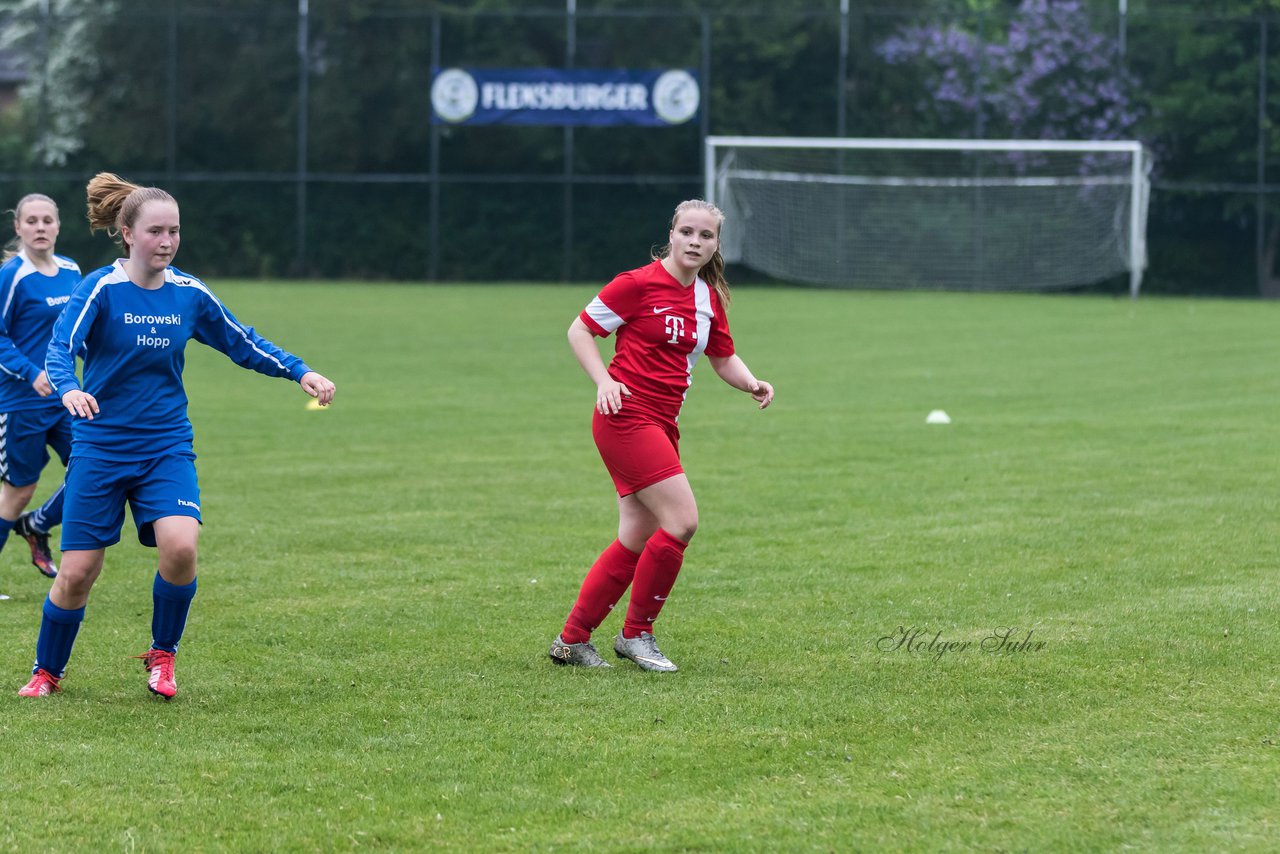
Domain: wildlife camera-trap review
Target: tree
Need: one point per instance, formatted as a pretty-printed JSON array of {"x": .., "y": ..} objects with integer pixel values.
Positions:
[
  {"x": 56, "y": 98},
  {"x": 1050, "y": 77},
  {"x": 1202, "y": 70}
]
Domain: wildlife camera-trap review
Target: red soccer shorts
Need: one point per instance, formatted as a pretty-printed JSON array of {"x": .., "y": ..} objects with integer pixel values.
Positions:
[{"x": 637, "y": 450}]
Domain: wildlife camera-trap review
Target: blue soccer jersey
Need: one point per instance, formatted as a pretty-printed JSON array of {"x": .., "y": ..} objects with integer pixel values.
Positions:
[
  {"x": 30, "y": 302},
  {"x": 134, "y": 342}
]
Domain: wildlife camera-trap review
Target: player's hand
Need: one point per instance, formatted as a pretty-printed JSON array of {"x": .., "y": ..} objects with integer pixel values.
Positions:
[
  {"x": 762, "y": 392},
  {"x": 318, "y": 387},
  {"x": 81, "y": 404},
  {"x": 41, "y": 385},
  {"x": 609, "y": 397}
]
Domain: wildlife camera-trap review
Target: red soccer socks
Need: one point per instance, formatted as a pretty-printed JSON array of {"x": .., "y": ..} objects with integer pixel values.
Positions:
[
  {"x": 655, "y": 575},
  {"x": 603, "y": 587}
]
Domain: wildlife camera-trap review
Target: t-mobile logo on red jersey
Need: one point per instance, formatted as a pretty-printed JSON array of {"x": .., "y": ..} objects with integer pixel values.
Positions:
[{"x": 675, "y": 328}]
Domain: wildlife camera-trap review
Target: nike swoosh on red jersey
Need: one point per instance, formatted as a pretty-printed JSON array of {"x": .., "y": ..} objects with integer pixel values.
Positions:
[{"x": 657, "y": 310}]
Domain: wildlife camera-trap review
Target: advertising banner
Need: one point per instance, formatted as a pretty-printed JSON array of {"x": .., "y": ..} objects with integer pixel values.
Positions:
[{"x": 549, "y": 96}]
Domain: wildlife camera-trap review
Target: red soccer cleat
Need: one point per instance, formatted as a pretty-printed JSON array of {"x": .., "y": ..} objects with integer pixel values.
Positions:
[
  {"x": 160, "y": 663},
  {"x": 42, "y": 684}
]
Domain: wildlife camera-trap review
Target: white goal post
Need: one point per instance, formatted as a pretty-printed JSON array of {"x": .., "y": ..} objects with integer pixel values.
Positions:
[{"x": 932, "y": 213}]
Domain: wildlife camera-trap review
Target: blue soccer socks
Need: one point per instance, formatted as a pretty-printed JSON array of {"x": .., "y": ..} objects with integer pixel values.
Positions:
[
  {"x": 5, "y": 527},
  {"x": 171, "y": 602},
  {"x": 58, "y": 630}
]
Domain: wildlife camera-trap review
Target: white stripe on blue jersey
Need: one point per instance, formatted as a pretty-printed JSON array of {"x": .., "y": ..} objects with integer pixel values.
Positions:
[
  {"x": 25, "y": 268},
  {"x": 134, "y": 340},
  {"x": 116, "y": 276},
  {"x": 30, "y": 302},
  {"x": 188, "y": 282}
]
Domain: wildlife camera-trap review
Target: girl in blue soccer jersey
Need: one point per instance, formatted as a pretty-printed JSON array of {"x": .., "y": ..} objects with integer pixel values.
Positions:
[
  {"x": 35, "y": 284},
  {"x": 131, "y": 440}
]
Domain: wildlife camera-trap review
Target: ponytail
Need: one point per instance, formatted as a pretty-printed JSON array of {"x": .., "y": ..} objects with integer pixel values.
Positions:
[{"x": 114, "y": 202}]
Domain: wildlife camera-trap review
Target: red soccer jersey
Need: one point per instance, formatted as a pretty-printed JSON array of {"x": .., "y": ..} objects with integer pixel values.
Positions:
[{"x": 663, "y": 327}]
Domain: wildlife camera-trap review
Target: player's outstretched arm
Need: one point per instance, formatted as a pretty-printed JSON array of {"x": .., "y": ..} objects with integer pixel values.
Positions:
[
  {"x": 318, "y": 387},
  {"x": 735, "y": 372}
]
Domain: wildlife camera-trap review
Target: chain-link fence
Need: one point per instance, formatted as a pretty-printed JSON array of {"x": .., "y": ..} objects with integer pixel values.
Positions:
[{"x": 298, "y": 135}]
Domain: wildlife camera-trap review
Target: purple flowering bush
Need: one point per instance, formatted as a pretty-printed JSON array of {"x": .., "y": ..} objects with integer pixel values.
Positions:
[{"x": 1051, "y": 77}]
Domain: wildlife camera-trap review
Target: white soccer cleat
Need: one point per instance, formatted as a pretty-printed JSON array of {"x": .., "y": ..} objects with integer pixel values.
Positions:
[{"x": 644, "y": 652}]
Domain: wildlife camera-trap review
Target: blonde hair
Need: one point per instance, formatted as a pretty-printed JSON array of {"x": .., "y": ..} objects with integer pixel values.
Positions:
[
  {"x": 114, "y": 203},
  {"x": 11, "y": 248},
  {"x": 712, "y": 272}
]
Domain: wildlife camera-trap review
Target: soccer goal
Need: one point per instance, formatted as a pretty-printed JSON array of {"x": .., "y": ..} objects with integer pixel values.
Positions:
[{"x": 932, "y": 213}]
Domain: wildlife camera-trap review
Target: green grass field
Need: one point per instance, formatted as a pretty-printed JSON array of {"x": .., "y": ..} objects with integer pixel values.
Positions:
[{"x": 365, "y": 667}]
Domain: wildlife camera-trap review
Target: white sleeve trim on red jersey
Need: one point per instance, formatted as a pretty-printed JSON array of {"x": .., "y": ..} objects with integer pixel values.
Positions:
[{"x": 603, "y": 315}]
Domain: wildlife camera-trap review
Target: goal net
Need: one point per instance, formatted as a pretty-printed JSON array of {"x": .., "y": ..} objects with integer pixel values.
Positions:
[{"x": 938, "y": 214}]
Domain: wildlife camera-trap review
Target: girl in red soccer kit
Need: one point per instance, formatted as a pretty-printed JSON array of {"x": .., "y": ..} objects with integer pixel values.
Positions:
[{"x": 666, "y": 314}]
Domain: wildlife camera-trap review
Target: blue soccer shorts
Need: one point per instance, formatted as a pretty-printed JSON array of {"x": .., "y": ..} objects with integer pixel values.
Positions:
[
  {"x": 25, "y": 438},
  {"x": 98, "y": 489}
]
